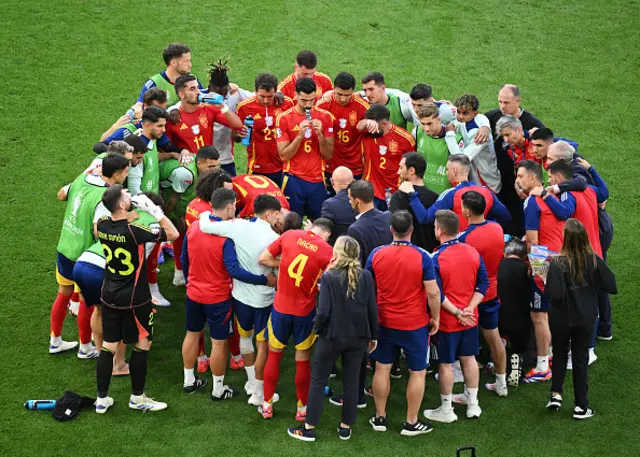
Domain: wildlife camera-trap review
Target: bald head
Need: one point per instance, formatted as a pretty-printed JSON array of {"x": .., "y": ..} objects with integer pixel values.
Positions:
[
  {"x": 560, "y": 150},
  {"x": 509, "y": 100},
  {"x": 341, "y": 178}
]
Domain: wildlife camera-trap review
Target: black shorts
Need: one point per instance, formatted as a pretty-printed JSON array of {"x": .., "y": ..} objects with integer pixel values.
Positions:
[{"x": 128, "y": 325}]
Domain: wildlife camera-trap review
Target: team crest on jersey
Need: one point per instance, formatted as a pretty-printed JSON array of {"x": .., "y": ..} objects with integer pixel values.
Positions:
[
  {"x": 204, "y": 122},
  {"x": 393, "y": 147},
  {"x": 195, "y": 129},
  {"x": 343, "y": 123},
  {"x": 383, "y": 150},
  {"x": 353, "y": 118}
]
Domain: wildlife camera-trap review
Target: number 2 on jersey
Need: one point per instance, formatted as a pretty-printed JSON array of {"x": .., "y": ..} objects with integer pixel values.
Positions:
[
  {"x": 383, "y": 162},
  {"x": 297, "y": 267}
]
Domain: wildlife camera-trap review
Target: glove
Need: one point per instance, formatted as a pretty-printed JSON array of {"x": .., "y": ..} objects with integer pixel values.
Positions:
[{"x": 143, "y": 203}]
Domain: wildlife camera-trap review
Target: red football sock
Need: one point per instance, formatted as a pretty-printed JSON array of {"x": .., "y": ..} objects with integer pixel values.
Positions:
[
  {"x": 58, "y": 313},
  {"x": 201, "y": 345},
  {"x": 75, "y": 296},
  {"x": 234, "y": 341},
  {"x": 272, "y": 374},
  {"x": 303, "y": 381},
  {"x": 84, "y": 322},
  {"x": 152, "y": 265},
  {"x": 177, "y": 251}
]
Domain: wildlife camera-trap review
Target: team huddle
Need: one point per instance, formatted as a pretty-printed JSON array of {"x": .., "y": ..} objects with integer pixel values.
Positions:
[{"x": 450, "y": 209}]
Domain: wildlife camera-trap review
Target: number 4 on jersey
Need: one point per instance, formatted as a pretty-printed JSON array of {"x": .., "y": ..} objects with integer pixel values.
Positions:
[{"x": 297, "y": 267}]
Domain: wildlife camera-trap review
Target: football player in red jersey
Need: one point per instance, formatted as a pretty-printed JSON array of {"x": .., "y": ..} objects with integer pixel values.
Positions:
[
  {"x": 348, "y": 111},
  {"x": 262, "y": 152},
  {"x": 248, "y": 187},
  {"x": 302, "y": 257},
  {"x": 195, "y": 127},
  {"x": 305, "y": 67},
  {"x": 305, "y": 141},
  {"x": 383, "y": 147}
]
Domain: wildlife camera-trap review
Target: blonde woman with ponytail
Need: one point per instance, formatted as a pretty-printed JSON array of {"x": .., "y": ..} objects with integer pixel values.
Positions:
[{"x": 347, "y": 324}]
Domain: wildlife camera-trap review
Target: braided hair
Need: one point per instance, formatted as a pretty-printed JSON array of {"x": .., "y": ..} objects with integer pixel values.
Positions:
[
  {"x": 218, "y": 74},
  {"x": 347, "y": 251}
]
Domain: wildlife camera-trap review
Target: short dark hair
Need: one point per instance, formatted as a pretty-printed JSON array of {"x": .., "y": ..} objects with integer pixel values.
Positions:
[
  {"x": 374, "y": 76},
  {"x": 266, "y": 202},
  {"x": 182, "y": 81},
  {"x": 377, "y": 112},
  {"x": 474, "y": 202},
  {"x": 155, "y": 94},
  {"x": 136, "y": 143},
  {"x": 292, "y": 221},
  {"x": 222, "y": 197},
  {"x": 305, "y": 86},
  {"x": 401, "y": 222},
  {"x": 324, "y": 223},
  {"x": 448, "y": 221},
  {"x": 266, "y": 81},
  {"x": 344, "y": 81},
  {"x": 461, "y": 159},
  {"x": 154, "y": 114},
  {"x": 113, "y": 163},
  {"x": 468, "y": 101},
  {"x": 155, "y": 198},
  {"x": 517, "y": 247},
  {"x": 415, "y": 161},
  {"x": 209, "y": 181},
  {"x": 421, "y": 92},
  {"x": 307, "y": 59},
  {"x": 543, "y": 134},
  {"x": 218, "y": 78},
  {"x": 563, "y": 167},
  {"x": 362, "y": 190},
  {"x": 174, "y": 50},
  {"x": 532, "y": 167},
  {"x": 112, "y": 196},
  {"x": 207, "y": 153}
]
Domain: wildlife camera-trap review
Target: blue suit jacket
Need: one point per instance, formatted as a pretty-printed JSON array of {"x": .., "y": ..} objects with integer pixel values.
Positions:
[
  {"x": 372, "y": 229},
  {"x": 339, "y": 210}
]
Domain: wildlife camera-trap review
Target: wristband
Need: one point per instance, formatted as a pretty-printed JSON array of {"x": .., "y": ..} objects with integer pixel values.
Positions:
[
  {"x": 543, "y": 193},
  {"x": 224, "y": 108},
  {"x": 457, "y": 312}
]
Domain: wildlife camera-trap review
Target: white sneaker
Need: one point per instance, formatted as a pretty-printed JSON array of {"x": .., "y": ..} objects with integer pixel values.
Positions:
[
  {"x": 159, "y": 300},
  {"x": 144, "y": 403},
  {"x": 257, "y": 400},
  {"x": 592, "y": 355},
  {"x": 74, "y": 306},
  {"x": 103, "y": 404},
  {"x": 459, "y": 399},
  {"x": 249, "y": 388},
  {"x": 501, "y": 389},
  {"x": 178, "y": 278},
  {"x": 569, "y": 362},
  {"x": 474, "y": 411},
  {"x": 62, "y": 347},
  {"x": 439, "y": 415},
  {"x": 87, "y": 352},
  {"x": 457, "y": 374}
]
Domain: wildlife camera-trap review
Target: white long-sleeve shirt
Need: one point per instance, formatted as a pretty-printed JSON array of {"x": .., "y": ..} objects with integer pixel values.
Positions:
[
  {"x": 222, "y": 140},
  {"x": 251, "y": 238},
  {"x": 484, "y": 165}
]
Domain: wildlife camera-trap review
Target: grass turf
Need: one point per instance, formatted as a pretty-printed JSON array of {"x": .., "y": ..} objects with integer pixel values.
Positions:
[{"x": 72, "y": 68}]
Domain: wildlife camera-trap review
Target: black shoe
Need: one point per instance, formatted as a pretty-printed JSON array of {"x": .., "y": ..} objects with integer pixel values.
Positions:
[
  {"x": 379, "y": 424},
  {"x": 395, "y": 372},
  {"x": 302, "y": 433},
  {"x": 555, "y": 402},
  {"x": 227, "y": 394},
  {"x": 605, "y": 337},
  {"x": 338, "y": 401},
  {"x": 419, "y": 428},
  {"x": 344, "y": 432},
  {"x": 197, "y": 384},
  {"x": 582, "y": 413}
]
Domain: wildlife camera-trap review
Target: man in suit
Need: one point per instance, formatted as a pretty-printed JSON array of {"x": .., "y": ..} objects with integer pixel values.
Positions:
[{"x": 338, "y": 208}]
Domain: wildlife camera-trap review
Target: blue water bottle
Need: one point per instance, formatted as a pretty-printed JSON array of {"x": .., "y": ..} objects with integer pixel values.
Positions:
[
  {"x": 328, "y": 391},
  {"x": 131, "y": 113},
  {"x": 212, "y": 98},
  {"x": 33, "y": 405},
  {"x": 387, "y": 196},
  {"x": 248, "y": 122}
]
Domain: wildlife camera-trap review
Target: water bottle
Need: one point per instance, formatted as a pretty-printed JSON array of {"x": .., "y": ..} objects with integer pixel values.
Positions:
[
  {"x": 33, "y": 405},
  {"x": 307, "y": 112},
  {"x": 131, "y": 113},
  {"x": 387, "y": 196},
  {"x": 328, "y": 391},
  {"x": 212, "y": 98},
  {"x": 248, "y": 122},
  {"x": 507, "y": 237}
]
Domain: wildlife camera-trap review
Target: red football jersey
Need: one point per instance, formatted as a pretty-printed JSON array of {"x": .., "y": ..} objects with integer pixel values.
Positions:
[
  {"x": 307, "y": 163},
  {"x": 288, "y": 85},
  {"x": 304, "y": 257},
  {"x": 196, "y": 207},
  {"x": 488, "y": 239},
  {"x": 382, "y": 156},
  {"x": 195, "y": 130},
  {"x": 262, "y": 153},
  {"x": 347, "y": 151},
  {"x": 248, "y": 187}
]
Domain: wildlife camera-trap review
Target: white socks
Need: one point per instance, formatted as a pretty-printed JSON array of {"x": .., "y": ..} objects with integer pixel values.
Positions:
[
  {"x": 472, "y": 395},
  {"x": 218, "y": 385},
  {"x": 446, "y": 402},
  {"x": 501, "y": 379},
  {"x": 55, "y": 340},
  {"x": 251, "y": 373},
  {"x": 543, "y": 363},
  {"x": 258, "y": 391},
  {"x": 189, "y": 377}
]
